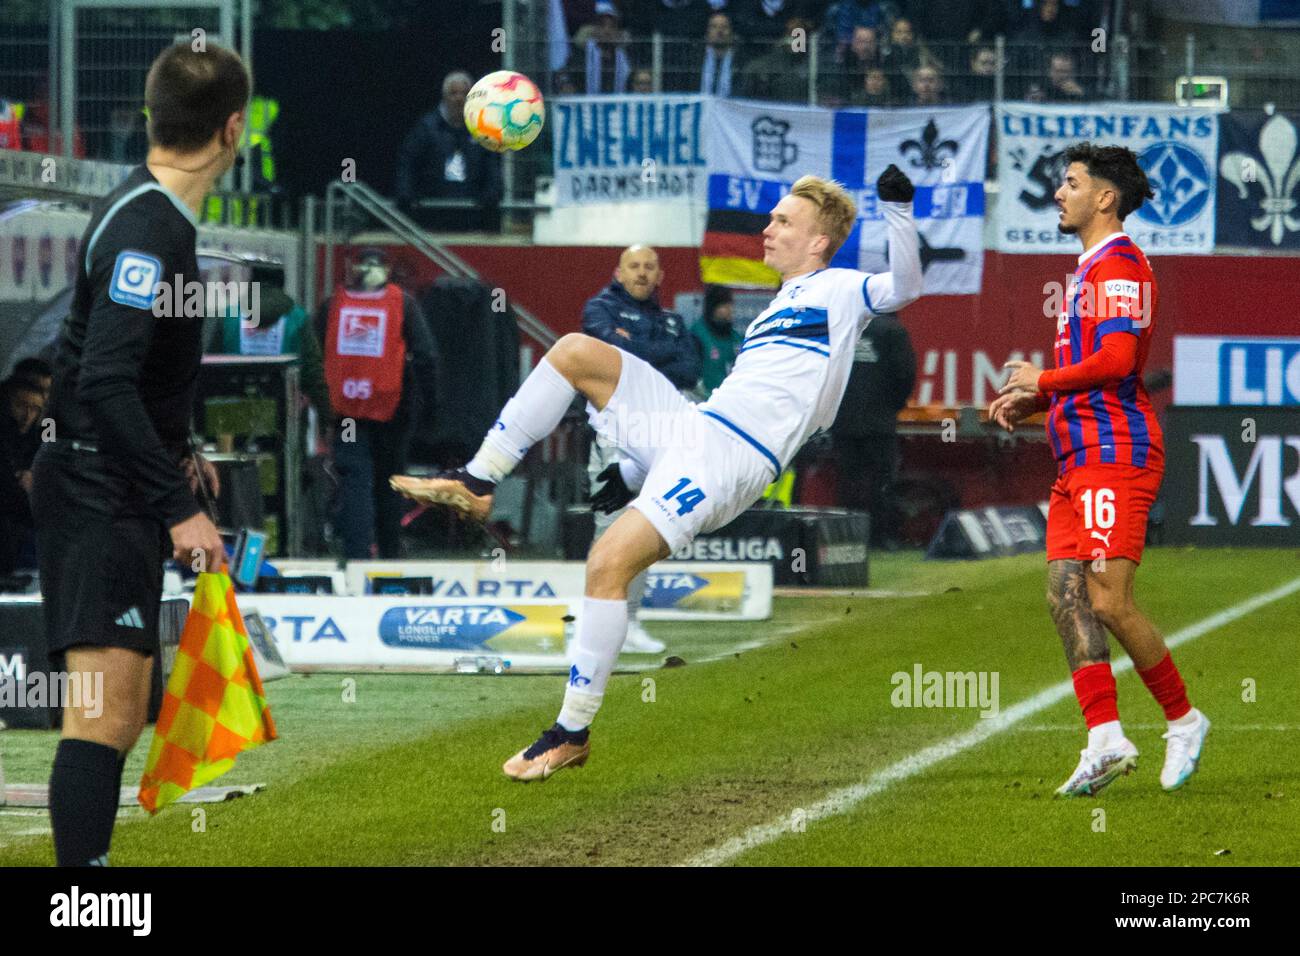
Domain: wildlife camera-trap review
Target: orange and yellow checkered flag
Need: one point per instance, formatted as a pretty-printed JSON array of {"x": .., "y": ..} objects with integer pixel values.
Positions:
[{"x": 214, "y": 707}]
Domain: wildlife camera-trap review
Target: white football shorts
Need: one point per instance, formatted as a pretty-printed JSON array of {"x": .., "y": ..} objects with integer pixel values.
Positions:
[{"x": 700, "y": 472}]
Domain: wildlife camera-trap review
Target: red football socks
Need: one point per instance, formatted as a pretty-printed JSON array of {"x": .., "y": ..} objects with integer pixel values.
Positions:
[
  {"x": 1166, "y": 686},
  {"x": 1094, "y": 685}
]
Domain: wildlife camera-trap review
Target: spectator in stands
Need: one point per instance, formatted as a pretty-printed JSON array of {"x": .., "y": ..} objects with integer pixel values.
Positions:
[
  {"x": 719, "y": 63},
  {"x": 927, "y": 85},
  {"x": 21, "y": 404},
  {"x": 37, "y": 375},
  {"x": 862, "y": 54},
  {"x": 903, "y": 54},
  {"x": 718, "y": 339},
  {"x": 36, "y": 371},
  {"x": 1062, "y": 84},
  {"x": 978, "y": 85},
  {"x": 439, "y": 160},
  {"x": 627, "y": 315},
  {"x": 643, "y": 81},
  {"x": 282, "y": 328},
  {"x": 127, "y": 139},
  {"x": 782, "y": 73},
  {"x": 767, "y": 19},
  {"x": 600, "y": 53},
  {"x": 844, "y": 17},
  {"x": 379, "y": 392},
  {"x": 875, "y": 89},
  {"x": 865, "y": 432},
  {"x": 1047, "y": 22}
]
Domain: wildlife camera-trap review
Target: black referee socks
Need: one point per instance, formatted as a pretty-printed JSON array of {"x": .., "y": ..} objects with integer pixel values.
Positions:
[{"x": 84, "y": 790}]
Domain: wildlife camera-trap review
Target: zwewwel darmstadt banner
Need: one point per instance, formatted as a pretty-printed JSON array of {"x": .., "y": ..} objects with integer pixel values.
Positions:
[
  {"x": 642, "y": 148},
  {"x": 757, "y": 150},
  {"x": 1177, "y": 147}
]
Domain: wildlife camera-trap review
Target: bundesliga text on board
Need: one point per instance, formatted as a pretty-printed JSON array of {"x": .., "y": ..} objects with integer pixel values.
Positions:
[{"x": 1209, "y": 370}]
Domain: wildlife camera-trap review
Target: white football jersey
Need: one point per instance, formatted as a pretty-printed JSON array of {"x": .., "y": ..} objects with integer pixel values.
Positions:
[{"x": 794, "y": 364}]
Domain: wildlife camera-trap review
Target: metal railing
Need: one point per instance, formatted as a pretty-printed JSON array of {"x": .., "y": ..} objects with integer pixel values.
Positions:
[{"x": 340, "y": 194}]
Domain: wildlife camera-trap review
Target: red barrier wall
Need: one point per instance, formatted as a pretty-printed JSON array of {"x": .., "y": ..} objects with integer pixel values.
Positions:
[{"x": 961, "y": 341}]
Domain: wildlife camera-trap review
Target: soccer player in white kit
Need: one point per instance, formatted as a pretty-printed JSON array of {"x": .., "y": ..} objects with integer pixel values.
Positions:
[{"x": 693, "y": 468}]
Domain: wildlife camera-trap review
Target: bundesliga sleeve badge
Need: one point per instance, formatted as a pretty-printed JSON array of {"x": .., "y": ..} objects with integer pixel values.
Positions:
[{"x": 135, "y": 277}]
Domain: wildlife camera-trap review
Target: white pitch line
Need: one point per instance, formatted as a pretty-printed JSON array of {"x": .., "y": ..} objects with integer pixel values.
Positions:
[{"x": 846, "y": 798}]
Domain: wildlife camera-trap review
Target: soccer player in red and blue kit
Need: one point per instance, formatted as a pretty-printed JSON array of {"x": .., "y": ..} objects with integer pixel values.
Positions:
[{"x": 1110, "y": 458}]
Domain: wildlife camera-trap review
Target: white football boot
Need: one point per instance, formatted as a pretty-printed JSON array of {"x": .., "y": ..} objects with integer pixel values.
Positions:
[
  {"x": 1183, "y": 752},
  {"x": 1099, "y": 768},
  {"x": 639, "y": 640}
]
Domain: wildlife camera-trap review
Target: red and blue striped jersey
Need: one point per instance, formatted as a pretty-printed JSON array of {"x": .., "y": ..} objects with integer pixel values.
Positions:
[{"x": 1111, "y": 292}]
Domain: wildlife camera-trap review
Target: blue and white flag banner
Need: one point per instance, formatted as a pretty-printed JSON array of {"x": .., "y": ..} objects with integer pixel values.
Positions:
[
  {"x": 1259, "y": 180},
  {"x": 629, "y": 148},
  {"x": 757, "y": 150},
  {"x": 1176, "y": 146}
]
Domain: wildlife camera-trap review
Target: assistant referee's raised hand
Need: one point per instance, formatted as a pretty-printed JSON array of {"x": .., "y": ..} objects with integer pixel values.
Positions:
[{"x": 197, "y": 543}]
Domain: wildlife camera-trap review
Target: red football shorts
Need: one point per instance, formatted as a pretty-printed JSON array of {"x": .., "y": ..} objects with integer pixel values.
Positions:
[{"x": 1100, "y": 510}]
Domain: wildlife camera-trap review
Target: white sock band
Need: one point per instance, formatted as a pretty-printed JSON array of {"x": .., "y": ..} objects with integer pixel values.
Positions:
[
  {"x": 602, "y": 628},
  {"x": 529, "y": 417},
  {"x": 579, "y": 709}
]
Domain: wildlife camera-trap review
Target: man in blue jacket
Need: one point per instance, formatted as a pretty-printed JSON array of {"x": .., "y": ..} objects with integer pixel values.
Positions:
[{"x": 627, "y": 315}]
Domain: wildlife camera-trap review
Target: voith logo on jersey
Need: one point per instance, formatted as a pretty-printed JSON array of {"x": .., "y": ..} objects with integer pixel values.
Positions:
[
  {"x": 361, "y": 331},
  {"x": 135, "y": 277},
  {"x": 461, "y": 627}
]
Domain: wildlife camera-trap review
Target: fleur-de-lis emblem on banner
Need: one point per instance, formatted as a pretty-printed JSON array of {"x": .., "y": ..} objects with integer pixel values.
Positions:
[
  {"x": 930, "y": 152},
  {"x": 1278, "y": 178}
]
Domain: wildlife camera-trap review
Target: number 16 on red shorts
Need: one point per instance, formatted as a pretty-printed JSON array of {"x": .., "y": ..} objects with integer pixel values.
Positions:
[{"x": 1100, "y": 511}]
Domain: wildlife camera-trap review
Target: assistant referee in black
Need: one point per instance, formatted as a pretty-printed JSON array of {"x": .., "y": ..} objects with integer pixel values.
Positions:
[{"x": 114, "y": 495}]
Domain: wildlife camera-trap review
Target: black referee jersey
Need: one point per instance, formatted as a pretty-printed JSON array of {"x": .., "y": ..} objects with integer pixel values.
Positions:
[{"x": 124, "y": 377}]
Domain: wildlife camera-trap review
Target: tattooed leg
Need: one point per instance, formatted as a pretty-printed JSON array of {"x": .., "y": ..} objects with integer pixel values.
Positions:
[{"x": 1082, "y": 634}]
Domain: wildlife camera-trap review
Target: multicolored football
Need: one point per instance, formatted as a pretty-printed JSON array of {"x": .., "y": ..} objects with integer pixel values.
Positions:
[{"x": 504, "y": 111}]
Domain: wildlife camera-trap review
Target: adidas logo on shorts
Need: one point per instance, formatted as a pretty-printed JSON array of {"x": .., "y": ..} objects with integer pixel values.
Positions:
[{"x": 131, "y": 618}]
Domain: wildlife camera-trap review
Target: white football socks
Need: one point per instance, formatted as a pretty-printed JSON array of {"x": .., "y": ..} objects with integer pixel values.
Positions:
[
  {"x": 529, "y": 417},
  {"x": 1105, "y": 735},
  {"x": 602, "y": 628}
]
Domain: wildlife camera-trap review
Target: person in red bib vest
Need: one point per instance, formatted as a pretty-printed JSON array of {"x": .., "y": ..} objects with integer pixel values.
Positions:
[{"x": 380, "y": 366}]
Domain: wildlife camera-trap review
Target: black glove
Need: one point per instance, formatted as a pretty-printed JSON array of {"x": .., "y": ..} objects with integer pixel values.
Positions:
[
  {"x": 894, "y": 186},
  {"x": 613, "y": 494}
]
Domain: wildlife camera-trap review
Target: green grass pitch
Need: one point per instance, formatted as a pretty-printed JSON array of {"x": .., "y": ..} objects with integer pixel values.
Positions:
[{"x": 764, "y": 721}]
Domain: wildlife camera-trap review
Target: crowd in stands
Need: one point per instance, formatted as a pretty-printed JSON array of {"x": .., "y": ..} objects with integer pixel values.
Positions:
[{"x": 870, "y": 52}]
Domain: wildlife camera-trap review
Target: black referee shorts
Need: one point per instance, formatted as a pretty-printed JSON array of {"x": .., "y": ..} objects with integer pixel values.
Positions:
[{"x": 101, "y": 559}]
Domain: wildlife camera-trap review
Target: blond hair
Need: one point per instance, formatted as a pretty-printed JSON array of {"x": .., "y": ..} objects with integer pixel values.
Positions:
[{"x": 836, "y": 210}]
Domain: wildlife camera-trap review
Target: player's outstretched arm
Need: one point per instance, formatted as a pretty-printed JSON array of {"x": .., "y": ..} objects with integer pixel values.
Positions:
[{"x": 901, "y": 285}]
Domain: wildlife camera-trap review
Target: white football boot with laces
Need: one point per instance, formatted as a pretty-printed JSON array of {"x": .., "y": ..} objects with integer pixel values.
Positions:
[
  {"x": 639, "y": 640},
  {"x": 1098, "y": 768},
  {"x": 1183, "y": 752}
]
